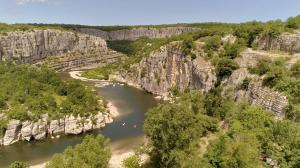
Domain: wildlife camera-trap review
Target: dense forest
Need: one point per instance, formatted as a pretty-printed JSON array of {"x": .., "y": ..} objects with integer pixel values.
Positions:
[{"x": 29, "y": 92}]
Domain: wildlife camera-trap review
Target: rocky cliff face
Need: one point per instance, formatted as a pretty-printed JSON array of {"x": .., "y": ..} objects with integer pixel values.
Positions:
[
  {"x": 255, "y": 92},
  {"x": 60, "y": 50},
  {"x": 288, "y": 42},
  {"x": 168, "y": 68},
  {"x": 38, "y": 130},
  {"x": 133, "y": 34}
]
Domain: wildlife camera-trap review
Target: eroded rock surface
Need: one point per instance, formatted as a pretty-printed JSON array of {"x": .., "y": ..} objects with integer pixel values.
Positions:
[
  {"x": 168, "y": 68},
  {"x": 288, "y": 42},
  {"x": 135, "y": 33},
  {"x": 12, "y": 133},
  {"x": 28, "y": 130}
]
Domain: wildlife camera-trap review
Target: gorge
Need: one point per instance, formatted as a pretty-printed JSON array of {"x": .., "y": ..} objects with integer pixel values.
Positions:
[{"x": 227, "y": 84}]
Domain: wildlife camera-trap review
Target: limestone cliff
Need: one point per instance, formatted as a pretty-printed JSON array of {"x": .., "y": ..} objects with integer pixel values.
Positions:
[
  {"x": 133, "y": 34},
  {"x": 255, "y": 92},
  {"x": 64, "y": 49},
  {"x": 168, "y": 68},
  {"x": 38, "y": 130},
  {"x": 288, "y": 42}
]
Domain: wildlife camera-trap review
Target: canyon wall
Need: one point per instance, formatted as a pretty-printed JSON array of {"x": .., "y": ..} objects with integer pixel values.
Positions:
[
  {"x": 62, "y": 50},
  {"x": 168, "y": 68},
  {"x": 135, "y": 33},
  {"x": 255, "y": 92},
  {"x": 288, "y": 42}
]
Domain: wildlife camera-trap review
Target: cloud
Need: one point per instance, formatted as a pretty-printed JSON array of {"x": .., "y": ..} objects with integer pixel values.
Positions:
[{"x": 23, "y": 2}]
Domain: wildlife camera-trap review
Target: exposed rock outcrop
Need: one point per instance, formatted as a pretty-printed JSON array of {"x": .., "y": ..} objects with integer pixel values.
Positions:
[
  {"x": 69, "y": 125},
  {"x": 33, "y": 46},
  {"x": 255, "y": 92},
  {"x": 135, "y": 33},
  {"x": 168, "y": 68},
  {"x": 288, "y": 42},
  {"x": 60, "y": 50},
  {"x": 12, "y": 133},
  {"x": 26, "y": 130}
]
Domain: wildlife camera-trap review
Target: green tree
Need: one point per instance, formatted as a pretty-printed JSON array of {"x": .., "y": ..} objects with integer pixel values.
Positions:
[
  {"x": 175, "y": 128},
  {"x": 241, "y": 151},
  {"x": 93, "y": 152},
  {"x": 18, "y": 164},
  {"x": 225, "y": 67}
]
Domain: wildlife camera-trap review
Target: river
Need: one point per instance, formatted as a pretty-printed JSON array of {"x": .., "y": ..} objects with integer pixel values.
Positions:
[{"x": 126, "y": 132}]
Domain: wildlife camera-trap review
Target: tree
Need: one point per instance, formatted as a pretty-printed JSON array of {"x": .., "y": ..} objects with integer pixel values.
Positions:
[
  {"x": 225, "y": 67},
  {"x": 175, "y": 128},
  {"x": 18, "y": 164},
  {"x": 93, "y": 152},
  {"x": 241, "y": 151}
]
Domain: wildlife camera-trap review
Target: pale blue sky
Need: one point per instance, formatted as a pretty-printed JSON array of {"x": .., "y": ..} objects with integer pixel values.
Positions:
[{"x": 128, "y": 12}]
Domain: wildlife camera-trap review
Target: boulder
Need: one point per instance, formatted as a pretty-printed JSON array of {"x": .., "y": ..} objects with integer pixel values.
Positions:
[
  {"x": 73, "y": 125},
  {"x": 26, "y": 130},
  {"x": 88, "y": 125},
  {"x": 13, "y": 132},
  {"x": 99, "y": 121},
  {"x": 56, "y": 126},
  {"x": 107, "y": 118},
  {"x": 39, "y": 130}
]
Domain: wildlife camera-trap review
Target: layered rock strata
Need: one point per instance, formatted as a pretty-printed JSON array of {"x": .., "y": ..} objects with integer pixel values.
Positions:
[
  {"x": 168, "y": 68},
  {"x": 38, "y": 130},
  {"x": 288, "y": 42},
  {"x": 61, "y": 50},
  {"x": 135, "y": 33}
]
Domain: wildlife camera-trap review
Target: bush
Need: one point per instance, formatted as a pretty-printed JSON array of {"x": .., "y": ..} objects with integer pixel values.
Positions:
[
  {"x": 131, "y": 162},
  {"x": 293, "y": 22},
  {"x": 296, "y": 70},
  {"x": 18, "y": 164},
  {"x": 233, "y": 50},
  {"x": 225, "y": 67},
  {"x": 93, "y": 152},
  {"x": 212, "y": 44}
]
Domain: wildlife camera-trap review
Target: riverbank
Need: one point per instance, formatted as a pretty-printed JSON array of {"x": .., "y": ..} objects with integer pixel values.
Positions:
[{"x": 125, "y": 132}]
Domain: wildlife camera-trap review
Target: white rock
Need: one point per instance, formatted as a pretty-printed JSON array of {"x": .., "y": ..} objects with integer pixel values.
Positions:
[
  {"x": 26, "y": 130},
  {"x": 39, "y": 130},
  {"x": 12, "y": 133},
  {"x": 73, "y": 125},
  {"x": 56, "y": 126}
]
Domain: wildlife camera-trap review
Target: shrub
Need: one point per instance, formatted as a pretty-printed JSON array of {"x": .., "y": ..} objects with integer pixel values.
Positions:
[
  {"x": 18, "y": 164},
  {"x": 93, "y": 152},
  {"x": 131, "y": 162},
  {"x": 225, "y": 67}
]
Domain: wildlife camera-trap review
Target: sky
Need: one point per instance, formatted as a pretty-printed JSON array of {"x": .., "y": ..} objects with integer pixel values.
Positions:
[{"x": 141, "y": 12}]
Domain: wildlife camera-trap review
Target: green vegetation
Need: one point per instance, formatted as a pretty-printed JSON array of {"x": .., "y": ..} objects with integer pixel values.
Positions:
[
  {"x": 18, "y": 164},
  {"x": 131, "y": 162},
  {"x": 28, "y": 92},
  {"x": 175, "y": 128},
  {"x": 276, "y": 75},
  {"x": 245, "y": 136},
  {"x": 93, "y": 152},
  {"x": 135, "y": 50}
]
